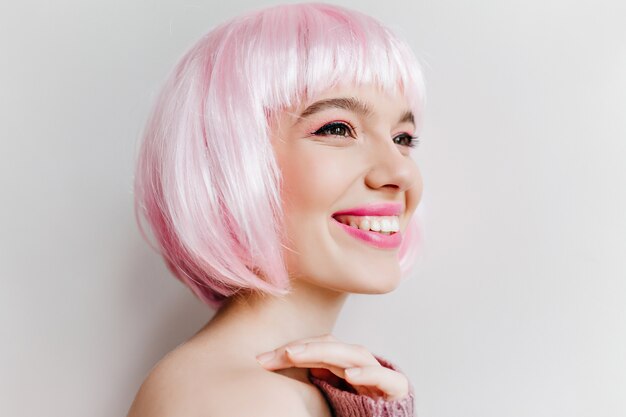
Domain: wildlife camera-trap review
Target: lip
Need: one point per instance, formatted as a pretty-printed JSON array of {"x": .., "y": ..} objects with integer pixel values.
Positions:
[
  {"x": 374, "y": 239},
  {"x": 374, "y": 209}
]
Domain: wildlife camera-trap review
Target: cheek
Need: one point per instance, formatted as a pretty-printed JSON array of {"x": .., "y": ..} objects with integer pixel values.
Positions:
[
  {"x": 414, "y": 194},
  {"x": 314, "y": 179},
  {"x": 309, "y": 190}
]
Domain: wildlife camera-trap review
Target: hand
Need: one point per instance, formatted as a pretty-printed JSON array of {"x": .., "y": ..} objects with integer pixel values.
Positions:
[{"x": 329, "y": 359}]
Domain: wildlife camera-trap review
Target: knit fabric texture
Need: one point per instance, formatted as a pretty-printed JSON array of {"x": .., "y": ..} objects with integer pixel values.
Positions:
[{"x": 344, "y": 401}]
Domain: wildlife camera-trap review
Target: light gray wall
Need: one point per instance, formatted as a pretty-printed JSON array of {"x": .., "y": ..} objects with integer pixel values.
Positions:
[{"x": 517, "y": 307}]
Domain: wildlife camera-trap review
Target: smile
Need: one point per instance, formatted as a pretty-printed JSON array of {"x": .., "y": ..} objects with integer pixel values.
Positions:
[
  {"x": 382, "y": 232},
  {"x": 383, "y": 224}
]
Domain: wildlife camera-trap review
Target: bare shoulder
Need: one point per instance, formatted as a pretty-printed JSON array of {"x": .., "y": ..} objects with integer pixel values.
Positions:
[{"x": 189, "y": 382}]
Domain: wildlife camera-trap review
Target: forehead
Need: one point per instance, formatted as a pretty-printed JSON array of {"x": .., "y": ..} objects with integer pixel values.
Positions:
[
  {"x": 368, "y": 101},
  {"x": 368, "y": 93}
]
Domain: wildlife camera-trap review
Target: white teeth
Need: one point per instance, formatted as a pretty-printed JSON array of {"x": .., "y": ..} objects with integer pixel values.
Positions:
[{"x": 381, "y": 224}]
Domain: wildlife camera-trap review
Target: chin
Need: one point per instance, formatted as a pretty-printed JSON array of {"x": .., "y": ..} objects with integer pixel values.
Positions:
[
  {"x": 375, "y": 280},
  {"x": 390, "y": 285}
]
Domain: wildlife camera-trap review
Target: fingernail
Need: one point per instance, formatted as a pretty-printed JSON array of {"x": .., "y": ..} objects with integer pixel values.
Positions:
[
  {"x": 265, "y": 357},
  {"x": 353, "y": 371},
  {"x": 295, "y": 349}
]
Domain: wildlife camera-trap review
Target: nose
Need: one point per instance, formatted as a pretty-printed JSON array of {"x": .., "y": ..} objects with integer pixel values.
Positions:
[{"x": 391, "y": 168}]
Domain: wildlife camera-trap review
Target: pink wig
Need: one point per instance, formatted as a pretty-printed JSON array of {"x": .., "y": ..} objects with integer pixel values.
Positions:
[{"x": 207, "y": 181}]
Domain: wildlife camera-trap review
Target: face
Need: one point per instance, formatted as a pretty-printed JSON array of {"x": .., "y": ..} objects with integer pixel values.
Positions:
[{"x": 337, "y": 157}]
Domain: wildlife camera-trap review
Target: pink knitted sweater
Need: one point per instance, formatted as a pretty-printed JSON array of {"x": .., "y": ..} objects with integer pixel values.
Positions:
[{"x": 346, "y": 402}]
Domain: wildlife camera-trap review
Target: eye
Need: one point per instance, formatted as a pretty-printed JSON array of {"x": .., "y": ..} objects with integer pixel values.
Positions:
[
  {"x": 343, "y": 129},
  {"x": 406, "y": 140},
  {"x": 335, "y": 129}
]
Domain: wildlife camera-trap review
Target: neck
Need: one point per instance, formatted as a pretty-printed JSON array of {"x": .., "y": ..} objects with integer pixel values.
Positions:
[{"x": 256, "y": 323}]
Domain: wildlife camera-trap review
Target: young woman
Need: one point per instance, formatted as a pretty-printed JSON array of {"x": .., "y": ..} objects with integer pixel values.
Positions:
[{"x": 276, "y": 175}]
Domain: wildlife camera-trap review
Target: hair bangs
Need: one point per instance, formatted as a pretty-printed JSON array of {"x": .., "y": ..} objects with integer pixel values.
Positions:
[{"x": 308, "y": 49}]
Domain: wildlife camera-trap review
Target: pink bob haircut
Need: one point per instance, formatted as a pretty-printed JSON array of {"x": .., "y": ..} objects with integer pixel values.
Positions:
[{"x": 207, "y": 181}]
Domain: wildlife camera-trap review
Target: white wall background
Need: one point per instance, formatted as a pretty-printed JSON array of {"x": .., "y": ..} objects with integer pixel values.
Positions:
[{"x": 519, "y": 304}]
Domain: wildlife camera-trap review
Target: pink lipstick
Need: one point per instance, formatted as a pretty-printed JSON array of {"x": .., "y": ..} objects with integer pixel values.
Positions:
[
  {"x": 378, "y": 240},
  {"x": 374, "y": 209}
]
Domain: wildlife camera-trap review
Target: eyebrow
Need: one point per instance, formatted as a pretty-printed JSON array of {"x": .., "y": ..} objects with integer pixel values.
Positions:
[{"x": 352, "y": 104}]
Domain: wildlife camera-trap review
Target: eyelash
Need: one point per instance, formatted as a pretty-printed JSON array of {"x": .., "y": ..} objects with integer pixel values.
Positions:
[{"x": 414, "y": 141}]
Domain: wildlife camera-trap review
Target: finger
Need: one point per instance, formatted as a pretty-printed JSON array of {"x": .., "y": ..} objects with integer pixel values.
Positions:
[
  {"x": 393, "y": 384},
  {"x": 334, "y": 356},
  {"x": 272, "y": 354},
  {"x": 338, "y": 354}
]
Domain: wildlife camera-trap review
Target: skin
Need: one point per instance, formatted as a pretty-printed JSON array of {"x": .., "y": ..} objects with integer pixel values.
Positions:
[{"x": 322, "y": 173}]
